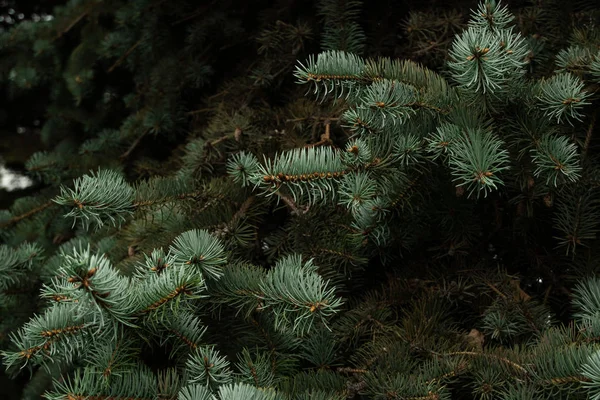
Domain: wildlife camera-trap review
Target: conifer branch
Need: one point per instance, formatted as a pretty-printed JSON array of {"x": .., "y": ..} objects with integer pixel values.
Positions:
[
  {"x": 73, "y": 23},
  {"x": 179, "y": 290},
  {"x": 192, "y": 15},
  {"x": 325, "y": 139},
  {"x": 345, "y": 255},
  {"x": 200, "y": 110},
  {"x": 349, "y": 370},
  {"x": 430, "y": 396},
  {"x": 317, "y": 118},
  {"x": 241, "y": 212},
  {"x": 108, "y": 370},
  {"x": 235, "y": 135},
  {"x": 287, "y": 289},
  {"x": 296, "y": 210},
  {"x": 28, "y": 214},
  {"x": 565, "y": 380},
  {"x": 135, "y": 143},
  {"x": 588, "y": 135},
  {"x": 433, "y": 45},
  {"x": 124, "y": 56},
  {"x": 513, "y": 364},
  {"x": 183, "y": 196}
]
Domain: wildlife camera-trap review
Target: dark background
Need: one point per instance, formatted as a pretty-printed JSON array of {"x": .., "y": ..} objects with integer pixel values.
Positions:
[{"x": 19, "y": 120}]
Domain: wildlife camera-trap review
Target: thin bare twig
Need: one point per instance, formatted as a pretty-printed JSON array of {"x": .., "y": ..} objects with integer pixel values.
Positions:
[
  {"x": 478, "y": 354},
  {"x": 28, "y": 214},
  {"x": 182, "y": 196},
  {"x": 296, "y": 210},
  {"x": 588, "y": 136},
  {"x": 218, "y": 140},
  {"x": 432, "y": 46},
  {"x": 243, "y": 209},
  {"x": 124, "y": 56},
  {"x": 73, "y": 23},
  {"x": 200, "y": 110},
  {"x": 133, "y": 146},
  {"x": 193, "y": 15},
  {"x": 312, "y": 117},
  {"x": 135, "y": 45},
  {"x": 325, "y": 138},
  {"x": 349, "y": 370}
]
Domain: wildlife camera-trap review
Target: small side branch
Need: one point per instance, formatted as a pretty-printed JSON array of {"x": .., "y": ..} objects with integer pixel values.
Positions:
[
  {"x": 183, "y": 196},
  {"x": 325, "y": 137},
  {"x": 235, "y": 135},
  {"x": 348, "y": 370},
  {"x": 243, "y": 209},
  {"x": 313, "y": 118},
  {"x": 588, "y": 136},
  {"x": 193, "y": 15},
  {"x": 565, "y": 380},
  {"x": 28, "y": 214},
  {"x": 73, "y": 23},
  {"x": 124, "y": 56},
  {"x": 133, "y": 146},
  {"x": 499, "y": 358},
  {"x": 296, "y": 210},
  {"x": 200, "y": 110}
]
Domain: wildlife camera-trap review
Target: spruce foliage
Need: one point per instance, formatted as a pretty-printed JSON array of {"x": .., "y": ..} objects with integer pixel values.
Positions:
[{"x": 277, "y": 201}]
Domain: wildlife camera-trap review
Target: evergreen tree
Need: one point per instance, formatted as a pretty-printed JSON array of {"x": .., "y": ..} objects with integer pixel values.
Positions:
[{"x": 256, "y": 201}]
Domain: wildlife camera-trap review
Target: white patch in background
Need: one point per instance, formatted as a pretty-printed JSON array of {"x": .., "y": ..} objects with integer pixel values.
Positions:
[{"x": 11, "y": 180}]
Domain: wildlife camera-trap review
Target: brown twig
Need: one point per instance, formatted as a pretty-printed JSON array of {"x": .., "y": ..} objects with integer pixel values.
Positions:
[
  {"x": 349, "y": 370},
  {"x": 135, "y": 45},
  {"x": 325, "y": 138},
  {"x": 565, "y": 380},
  {"x": 495, "y": 289},
  {"x": 432, "y": 46},
  {"x": 191, "y": 16},
  {"x": 73, "y": 23},
  {"x": 243, "y": 209},
  {"x": 178, "y": 197},
  {"x": 292, "y": 205},
  {"x": 235, "y": 135},
  {"x": 219, "y": 140},
  {"x": 312, "y": 117},
  {"x": 459, "y": 369},
  {"x": 124, "y": 56},
  {"x": 214, "y": 96},
  {"x": 588, "y": 136},
  {"x": 429, "y": 396},
  {"x": 28, "y": 214},
  {"x": 478, "y": 354},
  {"x": 200, "y": 110},
  {"x": 133, "y": 146}
]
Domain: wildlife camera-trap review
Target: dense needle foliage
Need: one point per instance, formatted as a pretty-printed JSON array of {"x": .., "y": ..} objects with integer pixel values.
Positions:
[{"x": 301, "y": 200}]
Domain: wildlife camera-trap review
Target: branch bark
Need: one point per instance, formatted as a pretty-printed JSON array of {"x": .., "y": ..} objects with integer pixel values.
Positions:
[
  {"x": 588, "y": 136},
  {"x": 296, "y": 210},
  {"x": 133, "y": 146},
  {"x": 28, "y": 214},
  {"x": 124, "y": 56},
  {"x": 73, "y": 23}
]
